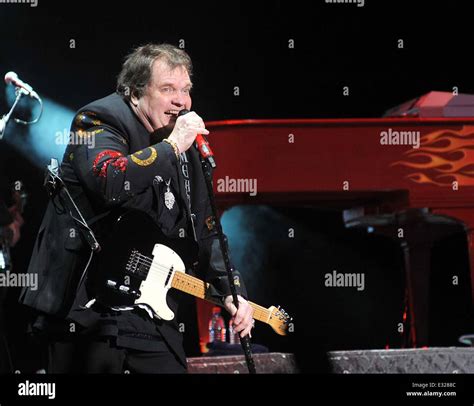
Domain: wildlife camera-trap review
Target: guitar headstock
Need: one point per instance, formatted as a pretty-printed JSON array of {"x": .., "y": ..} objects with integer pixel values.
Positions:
[{"x": 279, "y": 320}]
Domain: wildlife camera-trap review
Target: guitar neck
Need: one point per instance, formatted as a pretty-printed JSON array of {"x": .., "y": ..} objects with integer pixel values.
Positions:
[{"x": 196, "y": 287}]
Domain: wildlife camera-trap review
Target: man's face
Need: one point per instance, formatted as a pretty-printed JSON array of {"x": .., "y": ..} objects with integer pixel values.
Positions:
[{"x": 167, "y": 93}]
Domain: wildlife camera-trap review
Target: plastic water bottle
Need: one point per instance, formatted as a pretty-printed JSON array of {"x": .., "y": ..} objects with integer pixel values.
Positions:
[
  {"x": 233, "y": 336},
  {"x": 217, "y": 330}
]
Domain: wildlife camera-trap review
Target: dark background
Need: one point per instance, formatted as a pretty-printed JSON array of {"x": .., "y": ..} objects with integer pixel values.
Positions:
[
  {"x": 245, "y": 44},
  {"x": 241, "y": 44}
]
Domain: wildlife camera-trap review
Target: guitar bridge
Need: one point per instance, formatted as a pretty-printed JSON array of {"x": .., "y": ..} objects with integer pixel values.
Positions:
[{"x": 138, "y": 265}]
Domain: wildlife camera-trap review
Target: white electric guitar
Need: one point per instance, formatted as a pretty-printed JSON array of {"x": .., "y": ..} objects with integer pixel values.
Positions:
[{"x": 137, "y": 278}]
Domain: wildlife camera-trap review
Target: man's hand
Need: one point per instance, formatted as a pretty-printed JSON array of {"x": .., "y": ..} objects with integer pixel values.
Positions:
[
  {"x": 242, "y": 319},
  {"x": 15, "y": 225},
  {"x": 186, "y": 129},
  {"x": 15, "y": 233}
]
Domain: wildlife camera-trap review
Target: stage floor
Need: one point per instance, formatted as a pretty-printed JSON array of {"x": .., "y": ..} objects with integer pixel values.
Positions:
[{"x": 437, "y": 360}]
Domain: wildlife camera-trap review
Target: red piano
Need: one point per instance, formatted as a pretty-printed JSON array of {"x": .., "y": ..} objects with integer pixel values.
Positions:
[{"x": 368, "y": 167}]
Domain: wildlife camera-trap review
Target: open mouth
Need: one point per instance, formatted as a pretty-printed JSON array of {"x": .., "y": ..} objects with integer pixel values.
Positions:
[{"x": 172, "y": 113}]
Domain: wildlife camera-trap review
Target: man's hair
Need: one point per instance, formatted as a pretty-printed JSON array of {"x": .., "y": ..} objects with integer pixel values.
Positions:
[{"x": 137, "y": 67}]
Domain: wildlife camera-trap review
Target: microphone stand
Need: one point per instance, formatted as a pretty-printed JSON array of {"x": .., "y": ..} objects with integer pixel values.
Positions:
[
  {"x": 244, "y": 341},
  {"x": 4, "y": 120},
  {"x": 6, "y": 117}
]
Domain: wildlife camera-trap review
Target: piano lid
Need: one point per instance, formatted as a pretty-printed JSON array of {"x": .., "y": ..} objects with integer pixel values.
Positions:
[{"x": 435, "y": 104}]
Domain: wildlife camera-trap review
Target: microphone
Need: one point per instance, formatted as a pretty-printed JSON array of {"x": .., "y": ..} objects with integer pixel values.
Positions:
[
  {"x": 12, "y": 77},
  {"x": 202, "y": 145}
]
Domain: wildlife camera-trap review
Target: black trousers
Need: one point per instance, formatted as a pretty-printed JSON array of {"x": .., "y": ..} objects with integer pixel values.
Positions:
[{"x": 103, "y": 356}]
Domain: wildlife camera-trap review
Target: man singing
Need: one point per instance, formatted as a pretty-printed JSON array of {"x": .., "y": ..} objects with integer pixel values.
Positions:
[{"x": 139, "y": 155}]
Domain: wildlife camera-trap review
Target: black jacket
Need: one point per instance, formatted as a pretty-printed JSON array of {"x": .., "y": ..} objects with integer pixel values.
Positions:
[{"x": 109, "y": 164}]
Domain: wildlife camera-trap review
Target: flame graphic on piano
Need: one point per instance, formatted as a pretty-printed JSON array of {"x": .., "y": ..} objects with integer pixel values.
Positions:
[{"x": 444, "y": 156}]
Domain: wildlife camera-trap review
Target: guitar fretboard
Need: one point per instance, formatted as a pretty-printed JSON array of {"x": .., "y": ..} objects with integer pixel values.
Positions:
[{"x": 196, "y": 287}]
